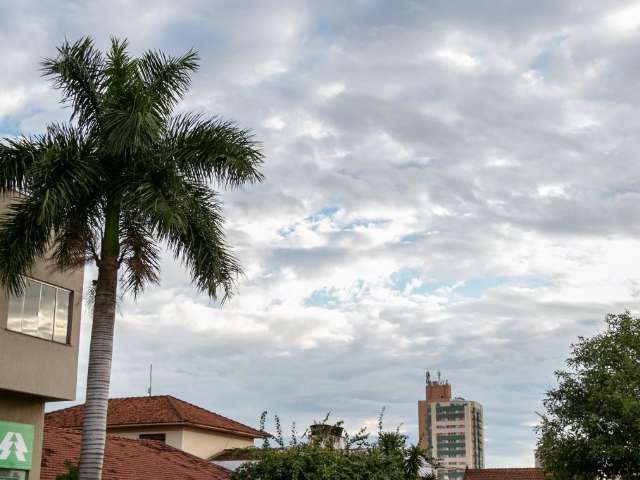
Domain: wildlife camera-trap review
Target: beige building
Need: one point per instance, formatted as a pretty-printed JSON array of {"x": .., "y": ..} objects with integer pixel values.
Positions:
[
  {"x": 39, "y": 332},
  {"x": 451, "y": 430},
  {"x": 167, "y": 419}
]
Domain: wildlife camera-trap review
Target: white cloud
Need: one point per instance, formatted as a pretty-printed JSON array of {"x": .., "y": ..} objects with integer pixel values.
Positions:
[
  {"x": 11, "y": 101},
  {"x": 457, "y": 58},
  {"x": 331, "y": 90},
  {"x": 624, "y": 20}
]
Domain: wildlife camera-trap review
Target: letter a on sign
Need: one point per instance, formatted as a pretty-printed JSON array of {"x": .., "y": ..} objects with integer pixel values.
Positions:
[{"x": 16, "y": 443}]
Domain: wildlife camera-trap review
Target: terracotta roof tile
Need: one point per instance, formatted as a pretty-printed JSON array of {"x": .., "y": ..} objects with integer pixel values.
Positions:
[
  {"x": 126, "y": 459},
  {"x": 163, "y": 409},
  {"x": 504, "y": 474}
]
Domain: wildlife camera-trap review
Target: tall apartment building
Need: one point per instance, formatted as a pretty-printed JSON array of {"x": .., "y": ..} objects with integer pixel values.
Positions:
[
  {"x": 39, "y": 333},
  {"x": 451, "y": 429}
]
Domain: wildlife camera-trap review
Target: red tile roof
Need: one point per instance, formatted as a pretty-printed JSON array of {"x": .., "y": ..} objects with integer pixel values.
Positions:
[
  {"x": 158, "y": 410},
  {"x": 126, "y": 459},
  {"x": 504, "y": 474}
]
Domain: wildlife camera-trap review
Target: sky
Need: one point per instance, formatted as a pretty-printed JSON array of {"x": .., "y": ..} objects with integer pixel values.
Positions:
[{"x": 449, "y": 185}]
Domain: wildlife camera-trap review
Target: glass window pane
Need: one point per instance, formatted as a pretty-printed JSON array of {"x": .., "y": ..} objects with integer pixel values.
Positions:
[
  {"x": 31, "y": 305},
  {"x": 14, "y": 316},
  {"x": 61, "y": 330},
  {"x": 45, "y": 313}
]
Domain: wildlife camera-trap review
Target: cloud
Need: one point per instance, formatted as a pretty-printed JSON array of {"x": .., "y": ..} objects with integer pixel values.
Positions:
[{"x": 448, "y": 186}]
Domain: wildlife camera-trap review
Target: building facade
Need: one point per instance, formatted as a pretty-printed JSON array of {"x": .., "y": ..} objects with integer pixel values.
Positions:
[
  {"x": 451, "y": 430},
  {"x": 167, "y": 419},
  {"x": 39, "y": 334}
]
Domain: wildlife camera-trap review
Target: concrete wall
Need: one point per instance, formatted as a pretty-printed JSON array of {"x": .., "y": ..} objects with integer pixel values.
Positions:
[
  {"x": 422, "y": 424},
  {"x": 196, "y": 441},
  {"x": 15, "y": 407},
  {"x": 34, "y": 365},
  {"x": 173, "y": 434},
  {"x": 204, "y": 443}
]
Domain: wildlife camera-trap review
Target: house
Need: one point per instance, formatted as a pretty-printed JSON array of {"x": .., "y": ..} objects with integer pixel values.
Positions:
[
  {"x": 126, "y": 459},
  {"x": 39, "y": 336},
  {"x": 504, "y": 474},
  {"x": 167, "y": 419}
]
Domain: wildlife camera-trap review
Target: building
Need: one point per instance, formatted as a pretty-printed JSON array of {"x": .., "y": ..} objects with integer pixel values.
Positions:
[
  {"x": 39, "y": 334},
  {"x": 450, "y": 429},
  {"x": 504, "y": 474},
  {"x": 167, "y": 419},
  {"x": 126, "y": 459}
]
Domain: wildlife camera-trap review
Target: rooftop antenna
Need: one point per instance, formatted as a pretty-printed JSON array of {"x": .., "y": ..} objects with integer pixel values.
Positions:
[
  {"x": 150, "y": 378},
  {"x": 428, "y": 377},
  {"x": 438, "y": 376}
]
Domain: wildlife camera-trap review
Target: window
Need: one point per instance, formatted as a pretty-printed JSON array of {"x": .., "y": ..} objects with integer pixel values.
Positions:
[
  {"x": 41, "y": 311},
  {"x": 13, "y": 474},
  {"x": 160, "y": 437}
]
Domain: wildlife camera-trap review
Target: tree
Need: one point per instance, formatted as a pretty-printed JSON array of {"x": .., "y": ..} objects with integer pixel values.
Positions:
[
  {"x": 123, "y": 177},
  {"x": 591, "y": 428},
  {"x": 71, "y": 474},
  {"x": 313, "y": 458}
]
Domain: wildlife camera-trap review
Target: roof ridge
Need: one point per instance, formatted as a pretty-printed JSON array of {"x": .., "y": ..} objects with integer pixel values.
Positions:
[
  {"x": 212, "y": 412},
  {"x": 80, "y": 405},
  {"x": 171, "y": 402}
]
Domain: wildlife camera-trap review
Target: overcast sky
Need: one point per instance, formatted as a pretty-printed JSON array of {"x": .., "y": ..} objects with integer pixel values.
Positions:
[{"x": 450, "y": 185}]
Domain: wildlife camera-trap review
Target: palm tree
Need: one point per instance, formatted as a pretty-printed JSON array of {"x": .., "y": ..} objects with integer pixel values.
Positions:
[{"x": 123, "y": 177}]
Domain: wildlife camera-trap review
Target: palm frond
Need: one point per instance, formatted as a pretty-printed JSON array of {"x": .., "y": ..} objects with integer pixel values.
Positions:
[
  {"x": 166, "y": 78},
  {"x": 130, "y": 122},
  {"x": 78, "y": 71},
  {"x": 118, "y": 66},
  {"x": 139, "y": 254},
  {"x": 210, "y": 149},
  {"x": 22, "y": 241},
  {"x": 16, "y": 157},
  {"x": 60, "y": 178},
  {"x": 188, "y": 217},
  {"x": 77, "y": 234}
]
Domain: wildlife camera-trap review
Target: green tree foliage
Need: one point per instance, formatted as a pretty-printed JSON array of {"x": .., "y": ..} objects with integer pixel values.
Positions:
[
  {"x": 389, "y": 457},
  {"x": 73, "y": 473},
  {"x": 591, "y": 428}
]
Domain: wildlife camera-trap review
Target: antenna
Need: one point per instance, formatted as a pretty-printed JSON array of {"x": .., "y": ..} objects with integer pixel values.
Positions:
[
  {"x": 150, "y": 378},
  {"x": 438, "y": 376}
]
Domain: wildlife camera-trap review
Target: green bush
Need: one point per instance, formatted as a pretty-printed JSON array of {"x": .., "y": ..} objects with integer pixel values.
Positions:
[
  {"x": 389, "y": 457},
  {"x": 73, "y": 473}
]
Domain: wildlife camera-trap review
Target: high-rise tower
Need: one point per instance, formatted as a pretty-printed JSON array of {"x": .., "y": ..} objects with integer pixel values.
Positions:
[{"x": 451, "y": 430}]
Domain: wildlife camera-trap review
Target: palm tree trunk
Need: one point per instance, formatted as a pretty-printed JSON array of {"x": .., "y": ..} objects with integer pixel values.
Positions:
[
  {"x": 100, "y": 352},
  {"x": 99, "y": 373}
]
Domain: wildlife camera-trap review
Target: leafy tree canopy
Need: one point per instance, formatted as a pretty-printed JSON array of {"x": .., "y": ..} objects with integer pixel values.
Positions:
[{"x": 591, "y": 427}]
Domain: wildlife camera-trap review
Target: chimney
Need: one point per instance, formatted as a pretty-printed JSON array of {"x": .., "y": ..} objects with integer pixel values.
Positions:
[{"x": 326, "y": 435}]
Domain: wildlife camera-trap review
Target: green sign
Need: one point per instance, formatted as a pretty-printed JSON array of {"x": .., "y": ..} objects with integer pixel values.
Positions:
[{"x": 16, "y": 445}]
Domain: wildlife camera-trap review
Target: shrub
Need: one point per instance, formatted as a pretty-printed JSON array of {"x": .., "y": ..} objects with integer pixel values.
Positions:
[{"x": 389, "y": 457}]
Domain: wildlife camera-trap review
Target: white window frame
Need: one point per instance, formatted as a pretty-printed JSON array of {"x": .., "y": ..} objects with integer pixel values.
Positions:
[{"x": 55, "y": 312}]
